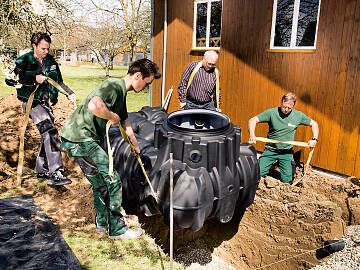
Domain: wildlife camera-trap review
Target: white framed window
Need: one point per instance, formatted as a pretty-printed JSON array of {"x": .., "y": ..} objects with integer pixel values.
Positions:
[
  {"x": 295, "y": 24},
  {"x": 207, "y": 24}
]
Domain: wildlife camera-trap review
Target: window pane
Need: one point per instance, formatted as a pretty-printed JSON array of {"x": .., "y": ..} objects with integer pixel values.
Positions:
[
  {"x": 215, "y": 24},
  {"x": 201, "y": 25},
  {"x": 284, "y": 17},
  {"x": 306, "y": 31}
]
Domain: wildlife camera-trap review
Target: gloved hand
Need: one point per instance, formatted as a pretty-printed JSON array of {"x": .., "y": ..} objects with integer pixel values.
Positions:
[
  {"x": 54, "y": 101},
  {"x": 72, "y": 98},
  {"x": 10, "y": 82}
]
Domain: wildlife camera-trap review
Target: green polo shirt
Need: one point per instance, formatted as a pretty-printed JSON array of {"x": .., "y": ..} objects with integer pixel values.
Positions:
[
  {"x": 83, "y": 125},
  {"x": 282, "y": 127}
]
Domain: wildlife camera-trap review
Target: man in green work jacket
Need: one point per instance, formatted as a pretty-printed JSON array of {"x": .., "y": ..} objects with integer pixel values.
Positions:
[
  {"x": 33, "y": 68},
  {"x": 283, "y": 122},
  {"x": 81, "y": 135}
]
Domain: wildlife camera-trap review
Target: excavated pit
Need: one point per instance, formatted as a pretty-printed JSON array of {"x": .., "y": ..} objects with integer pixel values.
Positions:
[{"x": 284, "y": 223}]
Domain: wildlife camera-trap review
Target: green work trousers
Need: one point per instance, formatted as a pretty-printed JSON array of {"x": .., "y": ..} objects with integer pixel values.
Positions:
[
  {"x": 94, "y": 162},
  {"x": 285, "y": 158}
]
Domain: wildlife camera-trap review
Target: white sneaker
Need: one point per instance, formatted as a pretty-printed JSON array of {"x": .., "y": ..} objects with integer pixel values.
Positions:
[{"x": 129, "y": 234}]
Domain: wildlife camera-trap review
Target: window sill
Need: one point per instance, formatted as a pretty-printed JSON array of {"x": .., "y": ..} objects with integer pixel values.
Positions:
[
  {"x": 204, "y": 49},
  {"x": 291, "y": 50}
]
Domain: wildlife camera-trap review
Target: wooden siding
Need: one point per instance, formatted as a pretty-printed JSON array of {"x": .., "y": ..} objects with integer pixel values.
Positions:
[{"x": 253, "y": 78}]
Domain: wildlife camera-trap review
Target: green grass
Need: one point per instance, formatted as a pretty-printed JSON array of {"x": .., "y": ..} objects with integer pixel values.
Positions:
[
  {"x": 94, "y": 251},
  {"x": 82, "y": 80},
  {"x": 103, "y": 253}
]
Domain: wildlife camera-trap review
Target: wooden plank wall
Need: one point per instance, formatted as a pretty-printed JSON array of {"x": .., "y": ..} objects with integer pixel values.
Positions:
[{"x": 253, "y": 79}]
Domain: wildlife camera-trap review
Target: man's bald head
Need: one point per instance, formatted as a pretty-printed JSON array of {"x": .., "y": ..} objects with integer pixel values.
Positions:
[{"x": 210, "y": 59}]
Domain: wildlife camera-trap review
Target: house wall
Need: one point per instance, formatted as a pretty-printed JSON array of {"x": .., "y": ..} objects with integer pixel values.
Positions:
[{"x": 253, "y": 78}]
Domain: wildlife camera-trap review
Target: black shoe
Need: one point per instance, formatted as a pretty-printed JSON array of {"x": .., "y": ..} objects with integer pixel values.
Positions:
[
  {"x": 57, "y": 179},
  {"x": 42, "y": 176}
]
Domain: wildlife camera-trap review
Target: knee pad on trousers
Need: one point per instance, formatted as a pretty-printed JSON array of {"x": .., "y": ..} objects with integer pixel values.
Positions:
[
  {"x": 54, "y": 140},
  {"x": 96, "y": 181},
  {"x": 45, "y": 126},
  {"x": 112, "y": 202},
  {"x": 115, "y": 205},
  {"x": 88, "y": 166},
  {"x": 104, "y": 192}
]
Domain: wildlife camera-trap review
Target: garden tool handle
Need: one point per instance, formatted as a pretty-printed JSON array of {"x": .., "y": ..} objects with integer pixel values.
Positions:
[
  {"x": 267, "y": 140},
  {"x": 126, "y": 138}
]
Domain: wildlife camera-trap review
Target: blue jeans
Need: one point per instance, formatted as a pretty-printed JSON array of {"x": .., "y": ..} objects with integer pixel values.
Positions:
[{"x": 207, "y": 106}]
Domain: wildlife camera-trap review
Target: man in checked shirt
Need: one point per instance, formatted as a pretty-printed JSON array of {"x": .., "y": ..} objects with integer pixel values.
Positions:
[{"x": 201, "y": 92}]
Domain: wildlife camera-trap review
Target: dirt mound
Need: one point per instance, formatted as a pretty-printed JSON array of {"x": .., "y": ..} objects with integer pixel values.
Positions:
[
  {"x": 286, "y": 224},
  {"x": 281, "y": 229},
  {"x": 70, "y": 206}
]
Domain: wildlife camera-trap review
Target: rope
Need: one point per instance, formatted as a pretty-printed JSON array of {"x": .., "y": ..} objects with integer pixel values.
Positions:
[
  {"x": 111, "y": 159},
  {"x": 217, "y": 92},
  {"x": 59, "y": 88},
  {"x": 22, "y": 137},
  {"x": 110, "y": 154}
]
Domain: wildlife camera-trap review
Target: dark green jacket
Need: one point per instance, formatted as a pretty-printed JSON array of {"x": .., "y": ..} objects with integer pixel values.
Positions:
[{"x": 27, "y": 68}]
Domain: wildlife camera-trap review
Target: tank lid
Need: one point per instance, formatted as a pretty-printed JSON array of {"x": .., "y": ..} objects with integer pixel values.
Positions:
[{"x": 198, "y": 120}]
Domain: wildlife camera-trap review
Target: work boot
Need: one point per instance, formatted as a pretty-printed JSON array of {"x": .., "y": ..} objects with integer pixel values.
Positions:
[
  {"x": 42, "y": 176},
  {"x": 58, "y": 179},
  {"x": 129, "y": 234}
]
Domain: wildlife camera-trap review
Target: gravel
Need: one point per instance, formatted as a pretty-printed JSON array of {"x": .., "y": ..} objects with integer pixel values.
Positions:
[{"x": 349, "y": 257}]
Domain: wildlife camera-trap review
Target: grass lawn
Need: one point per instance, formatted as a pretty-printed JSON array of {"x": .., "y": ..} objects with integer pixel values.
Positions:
[
  {"x": 94, "y": 251},
  {"x": 82, "y": 80}
]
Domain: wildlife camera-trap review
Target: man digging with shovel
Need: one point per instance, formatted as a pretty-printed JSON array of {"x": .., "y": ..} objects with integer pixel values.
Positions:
[
  {"x": 81, "y": 135},
  {"x": 283, "y": 122}
]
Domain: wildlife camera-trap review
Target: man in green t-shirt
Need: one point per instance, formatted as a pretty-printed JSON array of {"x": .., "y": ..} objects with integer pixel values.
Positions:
[
  {"x": 283, "y": 122},
  {"x": 81, "y": 135}
]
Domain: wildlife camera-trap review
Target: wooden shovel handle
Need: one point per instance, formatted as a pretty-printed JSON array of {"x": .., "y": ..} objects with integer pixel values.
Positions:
[{"x": 267, "y": 140}]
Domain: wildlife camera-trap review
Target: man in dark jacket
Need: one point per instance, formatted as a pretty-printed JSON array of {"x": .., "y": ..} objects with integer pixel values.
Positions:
[{"x": 33, "y": 68}]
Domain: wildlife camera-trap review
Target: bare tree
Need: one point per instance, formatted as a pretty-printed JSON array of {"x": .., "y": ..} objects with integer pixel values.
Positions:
[
  {"x": 20, "y": 18},
  {"x": 104, "y": 42},
  {"x": 135, "y": 17}
]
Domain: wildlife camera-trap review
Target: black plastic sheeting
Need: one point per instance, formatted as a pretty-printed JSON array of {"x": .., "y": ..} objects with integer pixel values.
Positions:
[{"x": 29, "y": 240}]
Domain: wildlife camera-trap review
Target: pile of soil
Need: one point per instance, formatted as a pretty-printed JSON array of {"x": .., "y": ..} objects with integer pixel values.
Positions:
[{"x": 282, "y": 229}]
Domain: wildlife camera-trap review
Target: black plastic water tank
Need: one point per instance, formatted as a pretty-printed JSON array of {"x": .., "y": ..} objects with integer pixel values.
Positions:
[{"x": 214, "y": 173}]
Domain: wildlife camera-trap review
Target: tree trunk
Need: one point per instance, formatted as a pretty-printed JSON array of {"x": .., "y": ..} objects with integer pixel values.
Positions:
[{"x": 132, "y": 55}]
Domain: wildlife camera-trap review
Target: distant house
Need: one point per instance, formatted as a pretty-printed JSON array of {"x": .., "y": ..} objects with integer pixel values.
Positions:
[
  {"x": 85, "y": 55},
  {"x": 267, "y": 48},
  {"x": 124, "y": 55},
  {"x": 76, "y": 55}
]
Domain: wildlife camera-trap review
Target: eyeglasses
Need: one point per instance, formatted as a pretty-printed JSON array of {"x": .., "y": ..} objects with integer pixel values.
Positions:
[{"x": 211, "y": 64}]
